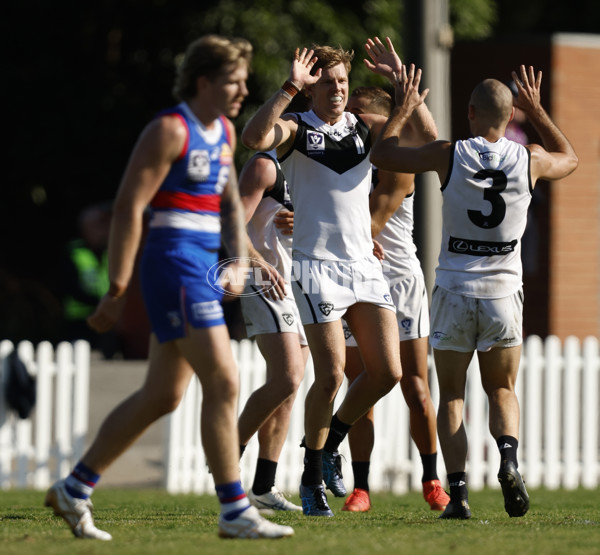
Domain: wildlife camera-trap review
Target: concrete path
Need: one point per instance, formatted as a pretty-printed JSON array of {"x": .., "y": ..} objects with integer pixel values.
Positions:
[{"x": 142, "y": 465}]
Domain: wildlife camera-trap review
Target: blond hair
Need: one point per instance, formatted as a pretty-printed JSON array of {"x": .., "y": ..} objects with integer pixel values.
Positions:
[
  {"x": 328, "y": 56},
  {"x": 209, "y": 56}
]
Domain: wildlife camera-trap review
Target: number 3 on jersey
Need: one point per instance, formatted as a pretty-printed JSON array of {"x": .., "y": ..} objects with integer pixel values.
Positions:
[{"x": 493, "y": 196}]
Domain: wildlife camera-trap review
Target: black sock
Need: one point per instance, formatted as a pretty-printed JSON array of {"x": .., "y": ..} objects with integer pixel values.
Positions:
[
  {"x": 458, "y": 486},
  {"x": 361, "y": 474},
  {"x": 337, "y": 432},
  {"x": 508, "y": 446},
  {"x": 313, "y": 467},
  {"x": 429, "y": 467},
  {"x": 264, "y": 478}
]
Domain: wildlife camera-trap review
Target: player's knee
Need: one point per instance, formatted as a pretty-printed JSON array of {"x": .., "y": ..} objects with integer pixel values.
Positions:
[
  {"x": 330, "y": 384},
  {"x": 386, "y": 381},
  {"x": 166, "y": 402},
  {"x": 415, "y": 394}
]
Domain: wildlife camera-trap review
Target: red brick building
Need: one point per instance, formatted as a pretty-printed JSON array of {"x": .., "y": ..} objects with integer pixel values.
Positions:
[{"x": 561, "y": 248}]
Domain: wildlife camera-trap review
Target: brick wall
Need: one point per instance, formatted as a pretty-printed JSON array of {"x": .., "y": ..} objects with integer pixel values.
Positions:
[
  {"x": 561, "y": 247},
  {"x": 575, "y": 250}
]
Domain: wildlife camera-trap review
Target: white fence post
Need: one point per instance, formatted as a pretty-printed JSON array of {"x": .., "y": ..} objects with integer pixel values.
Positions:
[
  {"x": 552, "y": 412},
  {"x": 37, "y": 450},
  {"x": 558, "y": 393},
  {"x": 590, "y": 414},
  {"x": 571, "y": 420},
  {"x": 531, "y": 411}
]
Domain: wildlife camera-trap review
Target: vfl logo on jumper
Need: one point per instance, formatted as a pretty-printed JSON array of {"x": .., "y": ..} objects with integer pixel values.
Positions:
[
  {"x": 315, "y": 142},
  {"x": 288, "y": 318},
  {"x": 208, "y": 310},
  {"x": 491, "y": 159},
  {"x": 326, "y": 308},
  {"x": 199, "y": 165},
  {"x": 480, "y": 248},
  {"x": 406, "y": 324},
  {"x": 246, "y": 271}
]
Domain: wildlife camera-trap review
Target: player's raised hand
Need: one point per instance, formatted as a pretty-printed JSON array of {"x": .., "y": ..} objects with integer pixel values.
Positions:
[
  {"x": 406, "y": 89},
  {"x": 300, "y": 75},
  {"x": 385, "y": 61},
  {"x": 528, "y": 89}
]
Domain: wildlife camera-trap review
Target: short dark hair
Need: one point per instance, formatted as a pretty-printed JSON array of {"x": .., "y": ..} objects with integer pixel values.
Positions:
[{"x": 379, "y": 99}]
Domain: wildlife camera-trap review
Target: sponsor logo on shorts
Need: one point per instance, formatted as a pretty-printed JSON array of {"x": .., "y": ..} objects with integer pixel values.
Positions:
[
  {"x": 505, "y": 339},
  {"x": 208, "y": 310},
  {"x": 326, "y": 307},
  {"x": 440, "y": 336},
  {"x": 288, "y": 318},
  {"x": 239, "y": 272}
]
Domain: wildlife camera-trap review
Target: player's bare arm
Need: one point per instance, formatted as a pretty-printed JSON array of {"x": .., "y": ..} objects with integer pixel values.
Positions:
[
  {"x": 257, "y": 177},
  {"x": 158, "y": 146},
  {"x": 267, "y": 129},
  {"x": 387, "y": 197},
  {"x": 557, "y": 158}
]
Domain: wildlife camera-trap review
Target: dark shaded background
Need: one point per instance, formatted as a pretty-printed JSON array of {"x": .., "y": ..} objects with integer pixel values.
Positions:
[{"x": 84, "y": 78}]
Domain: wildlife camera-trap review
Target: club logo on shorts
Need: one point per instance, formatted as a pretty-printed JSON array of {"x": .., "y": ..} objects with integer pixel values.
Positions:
[
  {"x": 388, "y": 298},
  {"x": 288, "y": 318},
  {"x": 326, "y": 308},
  {"x": 174, "y": 319},
  {"x": 347, "y": 332},
  {"x": 406, "y": 324}
]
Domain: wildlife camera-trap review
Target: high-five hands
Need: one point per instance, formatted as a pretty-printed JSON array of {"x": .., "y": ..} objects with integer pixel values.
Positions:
[{"x": 385, "y": 60}]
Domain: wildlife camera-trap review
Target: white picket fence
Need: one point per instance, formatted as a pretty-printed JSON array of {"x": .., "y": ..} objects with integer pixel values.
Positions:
[
  {"x": 558, "y": 388},
  {"x": 559, "y": 437},
  {"x": 36, "y": 451}
]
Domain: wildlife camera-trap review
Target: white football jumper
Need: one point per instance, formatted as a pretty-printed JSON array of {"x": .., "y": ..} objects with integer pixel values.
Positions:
[
  {"x": 329, "y": 176},
  {"x": 396, "y": 238},
  {"x": 485, "y": 200}
]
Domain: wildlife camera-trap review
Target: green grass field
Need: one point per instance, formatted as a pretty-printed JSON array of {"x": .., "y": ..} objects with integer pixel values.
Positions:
[{"x": 154, "y": 522}]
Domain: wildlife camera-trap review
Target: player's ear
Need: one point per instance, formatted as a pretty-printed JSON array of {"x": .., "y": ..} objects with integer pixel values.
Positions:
[{"x": 471, "y": 112}]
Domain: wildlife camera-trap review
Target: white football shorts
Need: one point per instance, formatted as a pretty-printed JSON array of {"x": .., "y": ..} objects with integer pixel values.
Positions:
[
  {"x": 324, "y": 289},
  {"x": 264, "y": 315},
  {"x": 467, "y": 324},
  {"x": 409, "y": 296}
]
